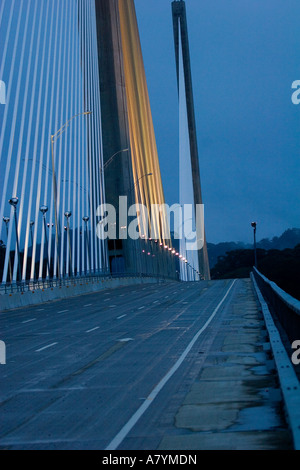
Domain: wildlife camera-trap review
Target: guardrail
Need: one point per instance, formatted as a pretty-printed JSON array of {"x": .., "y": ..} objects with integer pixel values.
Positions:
[
  {"x": 285, "y": 307},
  {"x": 289, "y": 383},
  {"x": 43, "y": 284}
]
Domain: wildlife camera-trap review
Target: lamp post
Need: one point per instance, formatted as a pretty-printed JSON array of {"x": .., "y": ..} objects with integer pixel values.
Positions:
[
  {"x": 253, "y": 225},
  {"x": 6, "y": 220},
  {"x": 31, "y": 224},
  {"x": 141, "y": 177},
  {"x": 85, "y": 220},
  {"x": 109, "y": 161},
  {"x": 14, "y": 202},
  {"x": 44, "y": 210},
  {"x": 68, "y": 214},
  {"x": 54, "y": 138}
]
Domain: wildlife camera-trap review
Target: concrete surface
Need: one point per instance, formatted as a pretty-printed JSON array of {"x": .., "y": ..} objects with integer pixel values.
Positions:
[
  {"x": 235, "y": 402},
  {"x": 39, "y": 296},
  {"x": 80, "y": 369}
]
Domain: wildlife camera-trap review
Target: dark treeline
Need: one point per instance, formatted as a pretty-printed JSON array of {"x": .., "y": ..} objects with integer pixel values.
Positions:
[
  {"x": 280, "y": 266},
  {"x": 289, "y": 239}
]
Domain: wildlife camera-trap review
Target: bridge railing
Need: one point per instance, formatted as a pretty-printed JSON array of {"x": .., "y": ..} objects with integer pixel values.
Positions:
[
  {"x": 42, "y": 284},
  {"x": 286, "y": 307},
  {"x": 270, "y": 297}
]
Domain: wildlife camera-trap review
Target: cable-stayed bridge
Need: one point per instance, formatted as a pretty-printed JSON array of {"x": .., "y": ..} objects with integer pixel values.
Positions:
[{"x": 103, "y": 316}]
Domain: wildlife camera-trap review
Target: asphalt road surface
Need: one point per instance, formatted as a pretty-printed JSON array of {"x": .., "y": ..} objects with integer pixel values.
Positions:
[{"x": 105, "y": 370}]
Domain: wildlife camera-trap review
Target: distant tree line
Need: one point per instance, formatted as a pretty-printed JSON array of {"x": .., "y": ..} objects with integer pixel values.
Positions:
[
  {"x": 280, "y": 266},
  {"x": 289, "y": 239}
]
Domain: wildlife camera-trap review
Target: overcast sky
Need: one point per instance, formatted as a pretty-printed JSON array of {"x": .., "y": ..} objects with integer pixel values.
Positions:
[{"x": 245, "y": 56}]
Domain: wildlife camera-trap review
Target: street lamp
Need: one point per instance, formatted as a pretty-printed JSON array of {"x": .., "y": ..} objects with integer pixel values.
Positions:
[
  {"x": 141, "y": 177},
  {"x": 253, "y": 225},
  {"x": 109, "y": 161},
  {"x": 68, "y": 214},
  {"x": 44, "y": 210},
  {"x": 6, "y": 220},
  {"x": 85, "y": 220},
  {"x": 14, "y": 202},
  {"x": 54, "y": 138}
]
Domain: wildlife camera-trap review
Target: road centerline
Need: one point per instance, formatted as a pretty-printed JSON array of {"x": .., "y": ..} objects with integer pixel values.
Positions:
[
  {"x": 93, "y": 329},
  {"x": 46, "y": 347}
]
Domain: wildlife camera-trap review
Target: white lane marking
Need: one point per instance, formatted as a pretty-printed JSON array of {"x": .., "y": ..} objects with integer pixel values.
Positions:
[
  {"x": 112, "y": 306},
  {"x": 88, "y": 305},
  {"x": 122, "y": 316},
  {"x": 106, "y": 300},
  {"x": 121, "y": 295},
  {"x": 141, "y": 308},
  {"x": 93, "y": 329},
  {"x": 125, "y": 340},
  {"x": 63, "y": 311},
  {"x": 156, "y": 302},
  {"x": 118, "y": 439},
  {"x": 46, "y": 347},
  {"x": 29, "y": 321}
]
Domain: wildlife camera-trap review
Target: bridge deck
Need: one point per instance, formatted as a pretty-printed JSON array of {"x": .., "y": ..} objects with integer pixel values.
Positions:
[
  {"x": 235, "y": 402},
  {"x": 158, "y": 366}
]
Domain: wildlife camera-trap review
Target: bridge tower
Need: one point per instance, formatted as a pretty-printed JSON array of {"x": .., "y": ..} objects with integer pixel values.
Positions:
[{"x": 188, "y": 142}]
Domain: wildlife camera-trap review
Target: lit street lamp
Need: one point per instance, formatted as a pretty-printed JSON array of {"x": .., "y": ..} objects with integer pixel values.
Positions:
[
  {"x": 14, "y": 202},
  {"x": 253, "y": 225}
]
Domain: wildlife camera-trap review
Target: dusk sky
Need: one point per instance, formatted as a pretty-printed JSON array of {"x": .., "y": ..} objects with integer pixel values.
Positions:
[{"x": 245, "y": 57}]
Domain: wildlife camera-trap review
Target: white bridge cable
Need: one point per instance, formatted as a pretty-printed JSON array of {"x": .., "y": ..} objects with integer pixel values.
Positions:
[
  {"x": 28, "y": 100},
  {"x": 78, "y": 156},
  {"x": 46, "y": 148},
  {"x": 54, "y": 45},
  {"x": 61, "y": 151},
  {"x": 25, "y": 201},
  {"x": 98, "y": 126},
  {"x": 40, "y": 150},
  {"x": 95, "y": 155},
  {"x": 8, "y": 80},
  {"x": 1, "y": 14},
  {"x": 12, "y": 126}
]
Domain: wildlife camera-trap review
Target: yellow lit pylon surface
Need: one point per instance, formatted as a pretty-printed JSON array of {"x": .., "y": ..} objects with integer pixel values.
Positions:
[{"x": 148, "y": 189}]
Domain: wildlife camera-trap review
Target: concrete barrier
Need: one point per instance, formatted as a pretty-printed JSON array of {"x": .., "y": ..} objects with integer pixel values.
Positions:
[{"x": 40, "y": 296}]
